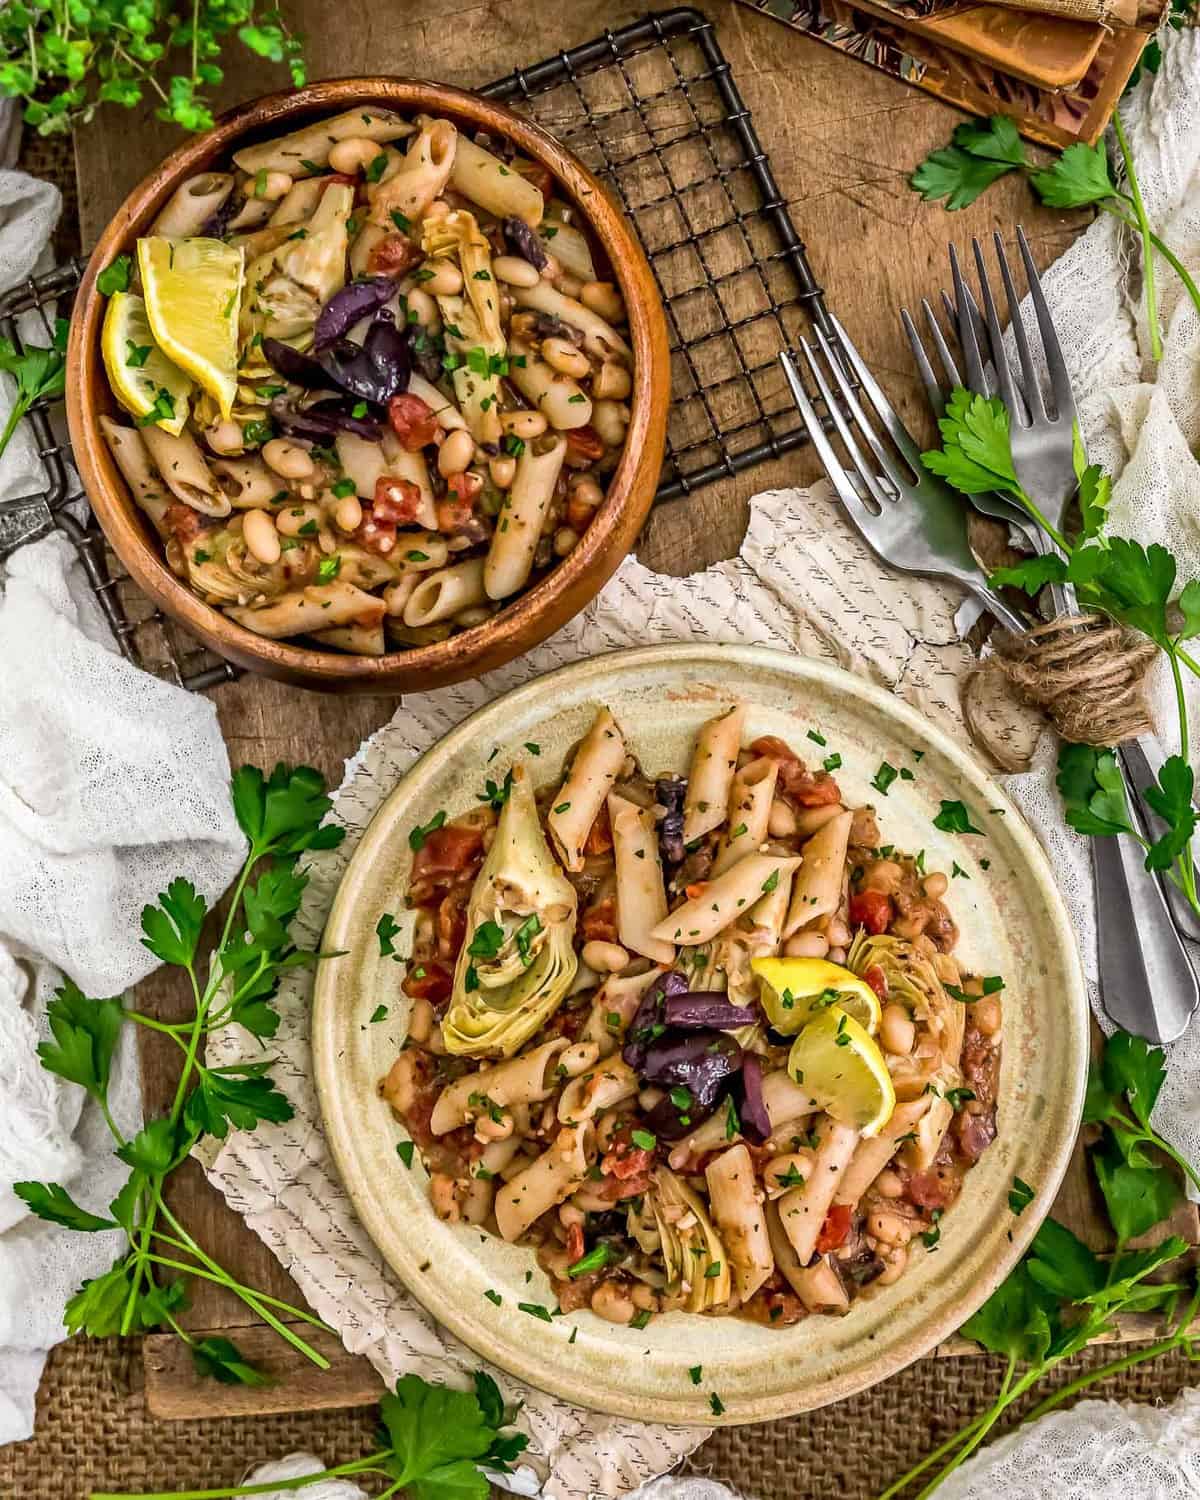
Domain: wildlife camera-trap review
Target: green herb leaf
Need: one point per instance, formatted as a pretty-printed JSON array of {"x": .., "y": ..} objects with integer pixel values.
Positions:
[
  {"x": 239, "y": 1096},
  {"x": 222, "y": 1360},
  {"x": 954, "y": 818},
  {"x": 976, "y": 455},
  {"x": 116, "y": 276},
  {"x": 172, "y": 928},
  {"x": 85, "y": 1034},
  {"x": 53, "y": 1203},
  {"x": 1080, "y": 176}
]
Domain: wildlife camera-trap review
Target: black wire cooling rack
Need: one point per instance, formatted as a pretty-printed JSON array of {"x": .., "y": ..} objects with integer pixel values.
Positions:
[{"x": 654, "y": 111}]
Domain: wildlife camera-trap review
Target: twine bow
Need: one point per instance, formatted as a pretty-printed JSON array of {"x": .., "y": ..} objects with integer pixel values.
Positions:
[{"x": 1084, "y": 672}]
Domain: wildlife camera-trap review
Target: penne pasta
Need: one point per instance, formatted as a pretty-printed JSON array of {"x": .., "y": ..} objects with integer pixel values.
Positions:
[
  {"x": 489, "y": 182},
  {"x": 404, "y": 464},
  {"x": 560, "y": 398},
  {"x": 192, "y": 205},
  {"x": 738, "y": 1211},
  {"x": 305, "y": 152},
  {"x": 449, "y": 418},
  {"x": 641, "y": 894},
  {"x": 445, "y": 593},
  {"x": 363, "y": 640},
  {"x": 595, "y": 767},
  {"x": 724, "y": 899},
  {"x": 608, "y": 1083},
  {"x": 525, "y": 1079},
  {"x": 247, "y": 483},
  {"x": 768, "y": 914},
  {"x": 750, "y": 796},
  {"x": 569, "y": 247},
  {"x": 817, "y": 886},
  {"x": 131, "y": 457},
  {"x": 710, "y": 776},
  {"x": 874, "y": 1153},
  {"x": 802, "y": 1210},
  {"x": 406, "y": 188},
  {"x": 184, "y": 471},
  {"x": 298, "y": 203},
  {"x": 600, "y": 339},
  {"x": 553, "y": 1176},
  {"x": 522, "y": 517},
  {"x": 320, "y": 606}
]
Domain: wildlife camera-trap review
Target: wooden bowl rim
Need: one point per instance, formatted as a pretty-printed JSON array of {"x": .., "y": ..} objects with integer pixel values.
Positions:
[{"x": 533, "y": 615}]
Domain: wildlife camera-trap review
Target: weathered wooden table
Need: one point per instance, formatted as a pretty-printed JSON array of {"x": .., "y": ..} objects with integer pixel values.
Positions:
[{"x": 842, "y": 140}]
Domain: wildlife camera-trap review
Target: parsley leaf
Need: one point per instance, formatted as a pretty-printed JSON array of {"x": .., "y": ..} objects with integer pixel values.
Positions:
[
  {"x": 953, "y": 817},
  {"x": 85, "y": 1034},
  {"x": 221, "y": 1359},
  {"x": 955, "y": 175},
  {"x": 172, "y": 928},
  {"x": 1093, "y": 791},
  {"x": 1079, "y": 176},
  {"x": 976, "y": 455},
  {"x": 54, "y": 1204},
  {"x": 239, "y": 1095}
]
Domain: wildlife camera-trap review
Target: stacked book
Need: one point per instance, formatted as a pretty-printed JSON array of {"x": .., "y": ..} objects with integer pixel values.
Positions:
[{"x": 1058, "y": 67}]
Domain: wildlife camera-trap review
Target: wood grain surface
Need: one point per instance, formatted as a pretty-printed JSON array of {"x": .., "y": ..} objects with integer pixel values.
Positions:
[{"x": 842, "y": 139}]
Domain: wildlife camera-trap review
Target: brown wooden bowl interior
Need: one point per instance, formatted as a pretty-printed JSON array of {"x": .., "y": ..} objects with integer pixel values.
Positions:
[{"x": 532, "y": 616}]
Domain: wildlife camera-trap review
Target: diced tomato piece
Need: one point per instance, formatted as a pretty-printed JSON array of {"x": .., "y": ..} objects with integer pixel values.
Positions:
[
  {"x": 447, "y": 852},
  {"x": 872, "y": 910},
  {"x": 599, "y": 922},
  {"x": 929, "y": 1189},
  {"x": 877, "y": 979},
  {"x": 599, "y": 839},
  {"x": 535, "y": 172},
  {"x": 346, "y": 179},
  {"x": 452, "y": 922},
  {"x": 625, "y": 1161},
  {"x": 465, "y": 486},
  {"x": 394, "y": 255},
  {"x": 397, "y": 502},
  {"x": 412, "y": 421},
  {"x": 808, "y": 788},
  {"x": 428, "y": 980},
  {"x": 584, "y": 447},
  {"x": 575, "y": 1241},
  {"x": 835, "y": 1228},
  {"x": 184, "y": 523}
]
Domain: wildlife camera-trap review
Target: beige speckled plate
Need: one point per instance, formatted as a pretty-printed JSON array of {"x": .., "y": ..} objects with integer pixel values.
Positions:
[{"x": 1013, "y": 923}]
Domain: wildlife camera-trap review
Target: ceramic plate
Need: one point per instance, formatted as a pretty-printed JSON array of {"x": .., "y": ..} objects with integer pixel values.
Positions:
[{"x": 1012, "y": 923}]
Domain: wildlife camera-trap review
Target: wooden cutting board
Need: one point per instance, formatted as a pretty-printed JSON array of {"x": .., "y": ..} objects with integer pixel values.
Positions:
[{"x": 842, "y": 140}]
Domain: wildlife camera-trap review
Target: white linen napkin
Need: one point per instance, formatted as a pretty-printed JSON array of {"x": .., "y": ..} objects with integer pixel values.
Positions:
[{"x": 111, "y": 783}]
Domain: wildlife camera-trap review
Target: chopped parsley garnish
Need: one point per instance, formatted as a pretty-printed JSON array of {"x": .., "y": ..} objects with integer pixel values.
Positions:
[
  {"x": 379, "y": 1013},
  {"x": 386, "y": 929},
  {"x": 954, "y": 818},
  {"x": 644, "y": 1139},
  {"x": 595, "y": 1260},
  {"x": 1020, "y": 1196},
  {"x": 329, "y": 568},
  {"x": 493, "y": 1297},
  {"x": 402, "y": 222},
  {"x": 956, "y": 1098},
  {"x": 496, "y": 795},
  {"x": 817, "y": 739},
  {"x": 536, "y": 1310},
  {"x": 487, "y": 941},
  {"x": 791, "y": 1178},
  {"x": 525, "y": 935},
  {"x": 715, "y": 1402},
  {"x": 342, "y": 488},
  {"x": 770, "y": 883},
  {"x": 136, "y": 355},
  {"x": 832, "y": 762},
  {"x": 733, "y": 1123},
  {"x": 404, "y": 1150},
  {"x": 376, "y": 167},
  {"x": 696, "y": 1372},
  {"x": 884, "y": 777}
]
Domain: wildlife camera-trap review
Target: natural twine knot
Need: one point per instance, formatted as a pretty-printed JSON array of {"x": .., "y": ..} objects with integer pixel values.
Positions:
[{"x": 1084, "y": 672}]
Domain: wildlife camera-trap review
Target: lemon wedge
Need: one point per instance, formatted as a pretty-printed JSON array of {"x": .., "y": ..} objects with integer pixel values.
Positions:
[
  {"x": 137, "y": 368},
  {"x": 795, "y": 990},
  {"x": 843, "y": 1070},
  {"x": 193, "y": 291}
]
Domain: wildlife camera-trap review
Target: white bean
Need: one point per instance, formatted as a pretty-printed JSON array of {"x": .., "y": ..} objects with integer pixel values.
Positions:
[
  {"x": 889, "y": 1184},
  {"x": 610, "y": 419},
  {"x": 586, "y": 491},
  {"x": 515, "y": 271},
  {"x": 565, "y": 541},
  {"x": 935, "y": 885},
  {"x": 423, "y": 308},
  {"x": 523, "y": 424},
  {"x": 896, "y": 1030},
  {"x": 891, "y": 1228},
  {"x": 610, "y": 1301},
  {"x": 562, "y": 355},
  {"x": 456, "y": 452},
  {"x": 605, "y": 958},
  {"x": 347, "y": 513},
  {"x": 603, "y": 298},
  {"x": 781, "y": 821},
  {"x": 612, "y": 382},
  {"x": 444, "y": 280},
  {"x": 503, "y": 471},
  {"x": 806, "y": 945},
  {"x": 837, "y": 932},
  {"x": 351, "y": 155},
  {"x": 261, "y": 537},
  {"x": 292, "y": 519},
  {"x": 288, "y": 459},
  {"x": 420, "y": 1021},
  {"x": 225, "y": 438}
]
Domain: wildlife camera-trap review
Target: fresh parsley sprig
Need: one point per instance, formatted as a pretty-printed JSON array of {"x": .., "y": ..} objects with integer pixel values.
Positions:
[
  {"x": 282, "y": 816},
  {"x": 66, "y": 59},
  {"x": 1134, "y": 585},
  {"x": 983, "y": 151},
  {"x": 435, "y": 1443},
  {"x": 1062, "y": 1295},
  {"x": 40, "y": 373}
]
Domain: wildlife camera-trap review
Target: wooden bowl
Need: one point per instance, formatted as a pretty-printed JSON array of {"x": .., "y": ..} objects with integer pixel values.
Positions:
[{"x": 533, "y": 615}]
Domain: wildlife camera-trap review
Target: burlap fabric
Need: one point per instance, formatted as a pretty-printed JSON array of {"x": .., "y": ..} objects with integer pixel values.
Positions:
[{"x": 93, "y": 1431}]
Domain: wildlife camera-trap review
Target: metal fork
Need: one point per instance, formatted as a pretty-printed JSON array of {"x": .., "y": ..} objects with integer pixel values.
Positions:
[
  {"x": 1148, "y": 985},
  {"x": 905, "y": 514}
]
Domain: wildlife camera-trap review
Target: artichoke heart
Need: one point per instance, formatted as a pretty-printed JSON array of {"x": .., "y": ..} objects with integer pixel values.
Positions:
[
  {"x": 518, "y": 958},
  {"x": 697, "y": 1266}
]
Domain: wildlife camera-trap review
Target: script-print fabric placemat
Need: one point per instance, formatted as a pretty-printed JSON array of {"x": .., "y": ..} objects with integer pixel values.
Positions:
[{"x": 902, "y": 634}]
